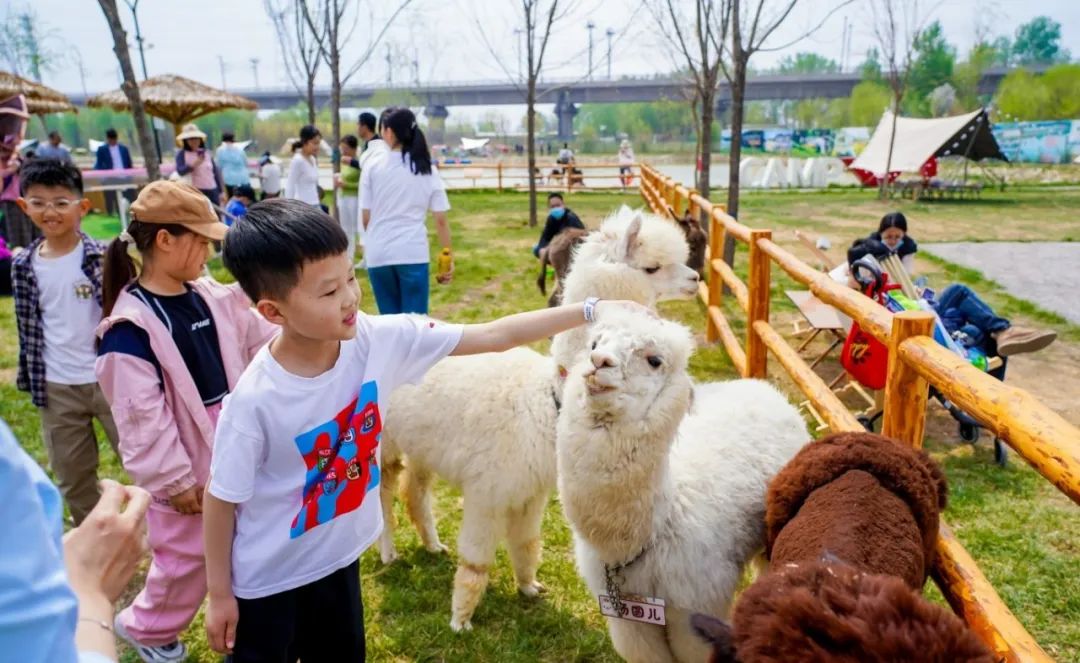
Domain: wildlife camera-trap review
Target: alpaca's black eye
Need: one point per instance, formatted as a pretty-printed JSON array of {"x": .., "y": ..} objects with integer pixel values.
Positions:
[
  {"x": 654, "y": 361},
  {"x": 594, "y": 344},
  {"x": 652, "y": 270}
]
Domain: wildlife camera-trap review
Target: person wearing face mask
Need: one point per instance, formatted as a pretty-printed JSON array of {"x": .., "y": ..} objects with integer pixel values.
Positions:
[
  {"x": 892, "y": 232},
  {"x": 559, "y": 219}
]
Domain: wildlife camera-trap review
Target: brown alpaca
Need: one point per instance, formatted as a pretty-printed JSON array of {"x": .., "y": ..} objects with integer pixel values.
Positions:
[
  {"x": 868, "y": 500},
  {"x": 851, "y": 523},
  {"x": 832, "y": 613},
  {"x": 696, "y": 239},
  {"x": 559, "y": 254}
]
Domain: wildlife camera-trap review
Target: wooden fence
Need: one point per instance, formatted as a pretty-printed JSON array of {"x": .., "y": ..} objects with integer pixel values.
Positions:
[
  {"x": 515, "y": 175},
  {"x": 1045, "y": 440}
]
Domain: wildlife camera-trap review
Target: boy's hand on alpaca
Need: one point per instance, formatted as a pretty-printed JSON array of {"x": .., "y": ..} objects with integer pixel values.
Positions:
[
  {"x": 222, "y": 614},
  {"x": 188, "y": 502}
]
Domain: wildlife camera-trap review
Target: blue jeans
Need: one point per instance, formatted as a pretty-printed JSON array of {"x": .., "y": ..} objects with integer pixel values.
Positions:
[
  {"x": 401, "y": 288},
  {"x": 962, "y": 310}
]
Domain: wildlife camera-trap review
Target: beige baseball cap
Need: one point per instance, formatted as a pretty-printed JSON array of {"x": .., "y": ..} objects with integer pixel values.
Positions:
[{"x": 166, "y": 201}]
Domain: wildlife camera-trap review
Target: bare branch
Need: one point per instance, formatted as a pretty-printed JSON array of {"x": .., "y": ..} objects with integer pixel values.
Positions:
[{"x": 366, "y": 55}]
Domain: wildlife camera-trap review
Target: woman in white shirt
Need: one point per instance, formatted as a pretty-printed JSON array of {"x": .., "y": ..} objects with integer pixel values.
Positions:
[
  {"x": 396, "y": 193},
  {"x": 303, "y": 182}
]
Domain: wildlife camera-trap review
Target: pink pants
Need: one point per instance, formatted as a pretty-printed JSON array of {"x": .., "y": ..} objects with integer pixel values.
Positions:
[{"x": 176, "y": 582}]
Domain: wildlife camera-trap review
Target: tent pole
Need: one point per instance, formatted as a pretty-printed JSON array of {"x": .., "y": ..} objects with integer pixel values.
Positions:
[{"x": 971, "y": 143}]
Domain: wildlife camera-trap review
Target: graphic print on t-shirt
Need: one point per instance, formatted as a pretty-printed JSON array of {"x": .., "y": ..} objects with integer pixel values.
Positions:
[{"x": 340, "y": 459}]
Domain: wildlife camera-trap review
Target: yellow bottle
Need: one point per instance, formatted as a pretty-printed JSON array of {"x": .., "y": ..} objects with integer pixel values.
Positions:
[{"x": 446, "y": 261}]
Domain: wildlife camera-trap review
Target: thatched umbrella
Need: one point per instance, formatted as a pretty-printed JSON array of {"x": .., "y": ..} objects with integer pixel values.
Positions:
[
  {"x": 175, "y": 99},
  {"x": 40, "y": 99}
]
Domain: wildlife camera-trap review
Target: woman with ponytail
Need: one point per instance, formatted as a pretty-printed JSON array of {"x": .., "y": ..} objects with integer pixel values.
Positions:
[
  {"x": 396, "y": 193},
  {"x": 172, "y": 347}
]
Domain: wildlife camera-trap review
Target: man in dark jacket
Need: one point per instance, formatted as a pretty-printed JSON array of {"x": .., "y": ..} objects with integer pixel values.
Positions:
[
  {"x": 112, "y": 155},
  {"x": 559, "y": 218}
]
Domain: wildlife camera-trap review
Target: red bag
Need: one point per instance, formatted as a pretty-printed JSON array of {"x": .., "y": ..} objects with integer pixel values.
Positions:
[{"x": 865, "y": 358}]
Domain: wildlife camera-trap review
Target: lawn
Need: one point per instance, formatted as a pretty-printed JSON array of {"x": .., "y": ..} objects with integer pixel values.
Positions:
[{"x": 1018, "y": 527}]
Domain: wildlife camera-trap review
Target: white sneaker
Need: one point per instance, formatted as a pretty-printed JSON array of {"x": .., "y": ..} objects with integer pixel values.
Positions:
[{"x": 170, "y": 653}]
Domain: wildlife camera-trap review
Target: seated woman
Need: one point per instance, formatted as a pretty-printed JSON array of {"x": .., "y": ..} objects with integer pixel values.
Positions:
[
  {"x": 892, "y": 232},
  {"x": 966, "y": 317},
  {"x": 559, "y": 218}
]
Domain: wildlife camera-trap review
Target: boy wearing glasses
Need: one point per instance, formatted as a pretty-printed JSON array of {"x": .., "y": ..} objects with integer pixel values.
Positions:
[{"x": 57, "y": 287}]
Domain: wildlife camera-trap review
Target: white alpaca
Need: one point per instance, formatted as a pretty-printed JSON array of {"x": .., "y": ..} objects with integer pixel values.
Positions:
[
  {"x": 672, "y": 506},
  {"x": 486, "y": 423}
]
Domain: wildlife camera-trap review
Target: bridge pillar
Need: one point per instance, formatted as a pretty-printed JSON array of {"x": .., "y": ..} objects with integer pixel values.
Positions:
[
  {"x": 436, "y": 115},
  {"x": 565, "y": 110}
]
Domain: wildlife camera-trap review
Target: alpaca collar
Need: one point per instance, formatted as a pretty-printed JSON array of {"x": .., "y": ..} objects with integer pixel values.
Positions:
[{"x": 612, "y": 571}]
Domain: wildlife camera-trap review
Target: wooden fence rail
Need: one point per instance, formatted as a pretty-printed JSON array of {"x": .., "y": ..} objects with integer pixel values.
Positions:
[{"x": 1040, "y": 436}]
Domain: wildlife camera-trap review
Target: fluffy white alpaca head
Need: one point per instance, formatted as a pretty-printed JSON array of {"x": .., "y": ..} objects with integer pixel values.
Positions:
[
  {"x": 634, "y": 255},
  {"x": 635, "y": 370}
]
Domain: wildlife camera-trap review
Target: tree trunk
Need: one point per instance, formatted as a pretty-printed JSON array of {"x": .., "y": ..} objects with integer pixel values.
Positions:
[
  {"x": 530, "y": 123},
  {"x": 883, "y": 186},
  {"x": 704, "y": 156},
  {"x": 311, "y": 99},
  {"x": 131, "y": 89},
  {"x": 335, "y": 122},
  {"x": 738, "y": 88}
]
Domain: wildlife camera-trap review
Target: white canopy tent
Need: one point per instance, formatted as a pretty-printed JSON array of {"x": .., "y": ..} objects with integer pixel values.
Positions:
[{"x": 918, "y": 140}]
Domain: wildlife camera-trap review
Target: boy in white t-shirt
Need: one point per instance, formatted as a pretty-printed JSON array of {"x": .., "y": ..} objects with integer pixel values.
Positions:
[
  {"x": 57, "y": 287},
  {"x": 293, "y": 497}
]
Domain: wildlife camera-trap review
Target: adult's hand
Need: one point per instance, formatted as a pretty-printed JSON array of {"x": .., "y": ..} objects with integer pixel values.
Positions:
[{"x": 101, "y": 554}]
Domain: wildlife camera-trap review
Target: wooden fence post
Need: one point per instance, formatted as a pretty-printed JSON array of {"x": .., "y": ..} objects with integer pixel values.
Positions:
[
  {"x": 716, "y": 284},
  {"x": 759, "y": 289},
  {"x": 905, "y": 391},
  {"x": 676, "y": 201},
  {"x": 500, "y": 177}
]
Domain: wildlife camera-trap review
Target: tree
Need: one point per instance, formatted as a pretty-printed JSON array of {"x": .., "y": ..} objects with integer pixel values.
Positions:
[
  {"x": 25, "y": 44},
  {"x": 896, "y": 27},
  {"x": 931, "y": 68},
  {"x": 750, "y": 31},
  {"x": 967, "y": 74},
  {"x": 534, "y": 21},
  {"x": 942, "y": 100},
  {"x": 868, "y": 100},
  {"x": 299, "y": 47},
  {"x": 699, "y": 46},
  {"x": 326, "y": 20},
  {"x": 807, "y": 63},
  {"x": 131, "y": 89},
  {"x": 1025, "y": 96},
  {"x": 1038, "y": 42},
  {"x": 870, "y": 69}
]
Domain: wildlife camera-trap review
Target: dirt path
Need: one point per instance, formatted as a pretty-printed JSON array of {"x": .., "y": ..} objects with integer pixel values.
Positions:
[{"x": 1044, "y": 273}]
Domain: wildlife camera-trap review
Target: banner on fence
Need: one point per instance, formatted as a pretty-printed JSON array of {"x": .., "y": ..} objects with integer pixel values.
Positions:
[{"x": 1036, "y": 142}]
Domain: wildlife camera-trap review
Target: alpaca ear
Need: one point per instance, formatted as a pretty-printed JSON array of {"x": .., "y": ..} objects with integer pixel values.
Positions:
[
  {"x": 631, "y": 240},
  {"x": 624, "y": 210},
  {"x": 719, "y": 634}
]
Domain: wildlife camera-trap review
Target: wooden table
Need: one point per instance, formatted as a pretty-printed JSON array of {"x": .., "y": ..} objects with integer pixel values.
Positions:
[{"x": 819, "y": 317}]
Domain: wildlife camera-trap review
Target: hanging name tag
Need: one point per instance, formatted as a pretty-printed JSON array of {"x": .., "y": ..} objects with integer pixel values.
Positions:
[{"x": 635, "y": 608}]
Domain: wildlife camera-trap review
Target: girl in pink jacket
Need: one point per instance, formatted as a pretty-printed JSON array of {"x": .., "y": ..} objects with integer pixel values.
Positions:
[{"x": 172, "y": 347}]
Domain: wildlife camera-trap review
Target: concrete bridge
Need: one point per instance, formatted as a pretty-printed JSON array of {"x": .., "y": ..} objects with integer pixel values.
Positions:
[{"x": 567, "y": 94}]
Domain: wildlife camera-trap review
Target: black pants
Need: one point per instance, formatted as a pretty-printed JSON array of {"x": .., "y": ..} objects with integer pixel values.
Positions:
[{"x": 320, "y": 622}]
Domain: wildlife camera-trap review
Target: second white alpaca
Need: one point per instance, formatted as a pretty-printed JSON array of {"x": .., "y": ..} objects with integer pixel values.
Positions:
[
  {"x": 661, "y": 504},
  {"x": 486, "y": 423}
]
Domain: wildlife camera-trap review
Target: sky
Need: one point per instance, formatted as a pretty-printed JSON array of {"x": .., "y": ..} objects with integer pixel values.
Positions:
[{"x": 455, "y": 40}]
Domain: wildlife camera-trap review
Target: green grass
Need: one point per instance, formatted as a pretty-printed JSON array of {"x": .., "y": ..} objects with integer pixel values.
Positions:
[{"x": 1022, "y": 532}]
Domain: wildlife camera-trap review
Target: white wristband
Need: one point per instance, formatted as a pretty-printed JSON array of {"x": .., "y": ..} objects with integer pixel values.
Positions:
[{"x": 589, "y": 308}]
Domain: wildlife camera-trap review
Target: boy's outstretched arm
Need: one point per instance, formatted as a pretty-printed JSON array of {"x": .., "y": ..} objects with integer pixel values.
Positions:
[
  {"x": 520, "y": 328},
  {"x": 222, "y": 613}
]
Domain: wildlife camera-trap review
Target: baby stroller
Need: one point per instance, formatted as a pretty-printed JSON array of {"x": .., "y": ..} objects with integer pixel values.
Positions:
[{"x": 866, "y": 359}]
